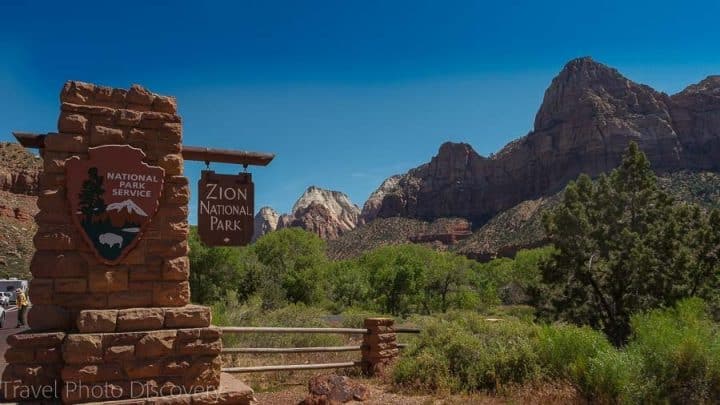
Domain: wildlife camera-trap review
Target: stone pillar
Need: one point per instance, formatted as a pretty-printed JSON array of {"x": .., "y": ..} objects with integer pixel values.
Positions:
[
  {"x": 379, "y": 348},
  {"x": 124, "y": 329},
  {"x": 67, "y": 277}
]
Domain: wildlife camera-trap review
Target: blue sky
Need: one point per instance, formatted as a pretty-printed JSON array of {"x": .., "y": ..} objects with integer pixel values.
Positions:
[{"x": 346, "y": 93}]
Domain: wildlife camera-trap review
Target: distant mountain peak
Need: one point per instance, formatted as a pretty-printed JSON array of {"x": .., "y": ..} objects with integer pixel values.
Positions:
[
  {"x": 327, "y": 213},
  {"x": 266, "y": 221}
]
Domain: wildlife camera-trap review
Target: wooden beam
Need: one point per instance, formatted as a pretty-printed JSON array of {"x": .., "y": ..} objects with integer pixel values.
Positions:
[
  {"x": 317, "y": 349},
  {"x": 290, "y": 367},
  {"x": 197, "y": 153},
  {"x": 253, "y": 329},
  {"x": 291, "y": 349},
  {"x": 226, "y": 156},
  {"x": 30, "y": 140}
]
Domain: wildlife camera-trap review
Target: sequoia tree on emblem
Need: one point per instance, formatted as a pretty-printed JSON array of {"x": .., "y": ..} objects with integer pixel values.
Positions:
[{"x": 113, "y": 196}]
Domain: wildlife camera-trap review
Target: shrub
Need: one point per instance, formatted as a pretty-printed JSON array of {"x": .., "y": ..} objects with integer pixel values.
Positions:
[
  {"x": 680, "y": 352},
  {"x": 477, "y": 354},
  {"x": 612, "y": 377},
  {"x": 427, "y": 370},
  {"x": 566, "y": 351}
]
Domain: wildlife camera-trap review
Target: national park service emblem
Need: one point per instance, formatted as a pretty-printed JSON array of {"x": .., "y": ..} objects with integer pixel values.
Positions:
[{"x": 113, "y": 196}]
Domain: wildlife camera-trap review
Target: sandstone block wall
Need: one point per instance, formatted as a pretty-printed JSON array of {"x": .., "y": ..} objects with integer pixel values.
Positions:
[
  {"x": 67, "y": 277},
  {"x": 35, "y": 361},
  {"x": 140, "y": 364}
]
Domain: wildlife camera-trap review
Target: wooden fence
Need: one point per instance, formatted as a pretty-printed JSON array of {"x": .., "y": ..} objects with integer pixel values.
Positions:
[{"x": 379, "y": 347}]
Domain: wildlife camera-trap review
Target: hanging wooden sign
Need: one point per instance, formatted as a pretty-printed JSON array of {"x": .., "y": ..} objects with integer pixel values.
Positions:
[
  {"x": 113, "y": 196},
  {"x": 226, "y": 207}
]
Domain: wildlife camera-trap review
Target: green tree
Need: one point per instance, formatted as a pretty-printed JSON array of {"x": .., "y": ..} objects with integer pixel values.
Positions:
[
  {"x": 293, "y": 262},
  {"x": 348, "y": 284},
  {"x": 214, "y": 271},
  {"x": 91, "y": 195},
  {"x": 622, "y": 246}
]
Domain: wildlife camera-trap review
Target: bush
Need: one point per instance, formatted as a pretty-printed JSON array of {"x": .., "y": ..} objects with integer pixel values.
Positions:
[
  {"x": 428, "y": 370},
  {"x": 612, "y": 377},
  {"x": 673, "y": 356},
  {"x": 566, "y": 351},
  {"x": 477, "y": 354},
  {"x": 680, "y": 352}
]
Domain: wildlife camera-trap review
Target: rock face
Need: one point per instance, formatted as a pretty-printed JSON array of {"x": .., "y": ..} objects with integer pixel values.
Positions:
[
  {"x": 588, "y": 116},
  {"x": 19, "y": 170},
  {"x": 334, "y": 389},
  {"x": 326, "y": 213},
  {"x": 266, "y": 221},
  {"x": 19, "y": 174}
]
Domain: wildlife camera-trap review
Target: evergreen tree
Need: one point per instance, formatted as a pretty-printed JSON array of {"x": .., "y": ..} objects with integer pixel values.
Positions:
[
  {"x": 91, "y": 195},
  {"x": 624, "y": 246}
]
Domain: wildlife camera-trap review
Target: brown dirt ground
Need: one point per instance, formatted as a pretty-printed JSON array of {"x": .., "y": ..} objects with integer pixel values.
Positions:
[{"x": 384, "y": 394}]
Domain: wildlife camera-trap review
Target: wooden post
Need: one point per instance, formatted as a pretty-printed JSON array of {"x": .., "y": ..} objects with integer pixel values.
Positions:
[{"x": 379, "y": 348}]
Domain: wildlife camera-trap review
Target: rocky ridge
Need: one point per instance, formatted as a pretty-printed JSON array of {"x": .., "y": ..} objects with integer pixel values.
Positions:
[{"x": 589, "y": 114}]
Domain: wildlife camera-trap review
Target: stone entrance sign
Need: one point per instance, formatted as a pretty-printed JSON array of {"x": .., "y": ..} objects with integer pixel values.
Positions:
[
  {"x": 225, "y": 208},
  {"x": 113, "y": 196},
  {"x": 110, "y": 316}
]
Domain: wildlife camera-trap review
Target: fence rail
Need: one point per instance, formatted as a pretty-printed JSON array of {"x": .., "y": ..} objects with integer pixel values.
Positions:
[
  {"x": 253, "y": 329},
  {"x": 377, "y": 349},
  {"x": 316, "y": 349},
  {"x": 292, "y": 349},
  {"x": 288, "y": 367}
]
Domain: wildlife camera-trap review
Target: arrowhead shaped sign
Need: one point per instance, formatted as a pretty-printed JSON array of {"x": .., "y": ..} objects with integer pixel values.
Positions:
[{"x": 113, "y": 196}]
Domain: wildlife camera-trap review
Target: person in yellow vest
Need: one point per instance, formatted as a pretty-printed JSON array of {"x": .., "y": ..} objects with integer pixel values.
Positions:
[{"x": 22, "y": 304}]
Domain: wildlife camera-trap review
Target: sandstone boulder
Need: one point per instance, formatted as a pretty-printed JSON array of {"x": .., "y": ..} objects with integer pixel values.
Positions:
[{"x": 334, "y": 389}]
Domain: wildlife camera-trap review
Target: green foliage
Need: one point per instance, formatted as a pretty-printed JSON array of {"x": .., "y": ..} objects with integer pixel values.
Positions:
[
  {"x": 465, "y": 352},
  {"x": 292, "y": 259},
  {"x": 406, "y": 279},
  {"x": 565, "y": 351},
  {"x": 612, "y": 377},
  {"x": 517, "y": 278},
  {"x": 283, "y": 266},
  {"x": 673, "y": 356},
  {"x": 231, "y": 312},
  {"x": 354, "y": 317},
  {"x": 680, "y": 348},
  {"x": 624, "y": 246},
  {"x": 215, "y": 271}
]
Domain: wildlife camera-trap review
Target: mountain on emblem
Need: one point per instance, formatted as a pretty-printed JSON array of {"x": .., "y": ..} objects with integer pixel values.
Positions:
[
  {"x": 128, "y": 205},
  {"x": 113, "y": 196}
]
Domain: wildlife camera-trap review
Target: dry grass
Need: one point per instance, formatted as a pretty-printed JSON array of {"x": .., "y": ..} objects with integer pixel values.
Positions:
[{"x": 382, "y": 393}]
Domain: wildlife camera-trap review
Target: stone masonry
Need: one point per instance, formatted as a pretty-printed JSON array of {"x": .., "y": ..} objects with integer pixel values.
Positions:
[
  {"x": 109, "y": 332},
  {"x": 379, "y": 348}
]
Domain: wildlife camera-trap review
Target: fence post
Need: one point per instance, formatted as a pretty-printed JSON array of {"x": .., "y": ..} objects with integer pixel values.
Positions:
[{"x": 379, "y": 348}]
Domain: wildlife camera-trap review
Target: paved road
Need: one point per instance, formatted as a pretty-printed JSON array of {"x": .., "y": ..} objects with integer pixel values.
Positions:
[{"x": 8, "y": 328}]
